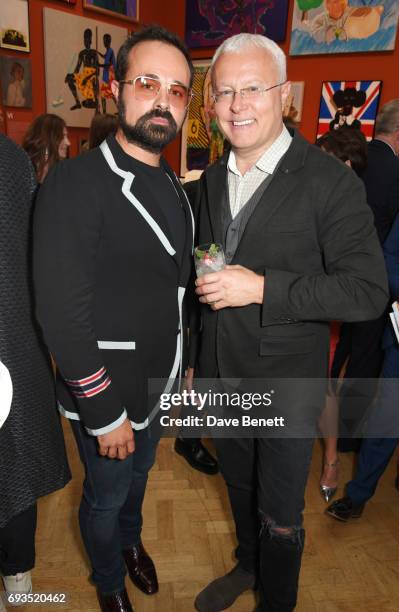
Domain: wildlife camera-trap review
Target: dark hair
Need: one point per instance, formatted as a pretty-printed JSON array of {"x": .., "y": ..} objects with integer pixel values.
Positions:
[
  {"x": 42, "y": 140},
  {"x": 101, "y": 126},
  {"x": 149, "y": 33},
  {"x": 346, "y": 143}
]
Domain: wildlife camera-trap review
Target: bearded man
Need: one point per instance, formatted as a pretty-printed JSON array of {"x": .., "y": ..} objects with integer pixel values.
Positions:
[{"x": 113, "y": 243}]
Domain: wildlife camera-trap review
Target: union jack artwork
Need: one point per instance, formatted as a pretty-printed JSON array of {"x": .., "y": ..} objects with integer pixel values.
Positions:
[{"x": 352, "y": 104}]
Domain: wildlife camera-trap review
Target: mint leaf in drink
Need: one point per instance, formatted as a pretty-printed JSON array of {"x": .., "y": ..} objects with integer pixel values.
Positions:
[
  {"x": 200, "y": 254},
  {"x": 213, "y": 250}
]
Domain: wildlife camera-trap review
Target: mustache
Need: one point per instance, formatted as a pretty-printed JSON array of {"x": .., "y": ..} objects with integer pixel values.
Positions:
[{"x": 157, "y": 112}]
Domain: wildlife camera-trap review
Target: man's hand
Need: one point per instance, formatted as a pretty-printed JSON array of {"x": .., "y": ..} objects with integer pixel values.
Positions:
[
  {"x": 233, "y": 286},
  {"x": 118, "y": 443}
]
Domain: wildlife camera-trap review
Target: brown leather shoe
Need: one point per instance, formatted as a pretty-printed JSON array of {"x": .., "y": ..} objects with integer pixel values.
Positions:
[
  {"x": 117, "y": 602},
  {"x": 141, "y": 569}
]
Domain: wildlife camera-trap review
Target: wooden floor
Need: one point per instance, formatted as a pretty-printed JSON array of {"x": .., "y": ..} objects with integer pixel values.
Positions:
[{"x": 189, "y": 532}]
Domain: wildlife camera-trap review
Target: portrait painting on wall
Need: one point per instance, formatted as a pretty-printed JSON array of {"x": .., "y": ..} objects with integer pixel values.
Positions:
[
  {"x": 293, "y": 106},
  {"x": 124, "y": 9},
  {"x": 343, "y": 26},
  {"x": 351, "y": 104},
  {"x": 14, "y": 25},
  {"x": 209, "y": 22},
  {"x": 16, "y": 81},
  {"x": 202, "y": 141},
  {"x": 79, "y": 71}
]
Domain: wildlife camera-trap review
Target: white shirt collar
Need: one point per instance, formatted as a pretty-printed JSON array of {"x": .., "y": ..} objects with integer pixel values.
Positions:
[{"x": 270, "y": 158}]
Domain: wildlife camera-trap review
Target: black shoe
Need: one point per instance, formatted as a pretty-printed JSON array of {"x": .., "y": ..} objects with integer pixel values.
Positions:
[
  {"x": 221, "y": 593},
  {"x": 344, "y": 509},
  {"x": 196, "y": 455},
  {"x": 141, "y": 569},
  {"x": 115, "y": 602},
  {"x": 76, "y": 106}
]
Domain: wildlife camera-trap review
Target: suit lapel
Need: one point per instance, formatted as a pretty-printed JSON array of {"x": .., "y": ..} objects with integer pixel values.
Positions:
[{"x": 216, "y": 181}]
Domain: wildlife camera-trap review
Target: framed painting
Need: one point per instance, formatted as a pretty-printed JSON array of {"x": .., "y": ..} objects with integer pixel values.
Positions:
[
  {"x": 352, "y": 104},
  {"x": 202, "y": 141},
  {"x": 209, "y": 22},
  {"x": 14, "y": 25},
  {"x": 79, "y": 67},
  {"x": 16, "y": 81},
  {"x": 343, "y": 26},
  {"x": 293, "y": 107},
  {"x": 124, "y": 9}
]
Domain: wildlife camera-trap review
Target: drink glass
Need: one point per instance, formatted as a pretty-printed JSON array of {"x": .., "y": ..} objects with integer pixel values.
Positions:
[{"x": 209, "y": 258}]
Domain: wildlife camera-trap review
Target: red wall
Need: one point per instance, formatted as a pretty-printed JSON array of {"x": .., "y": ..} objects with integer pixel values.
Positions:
[{"x": 171, "y": 14}]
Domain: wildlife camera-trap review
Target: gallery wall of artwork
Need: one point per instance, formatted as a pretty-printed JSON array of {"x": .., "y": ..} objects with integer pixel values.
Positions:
[{"x": 319, "y": 54}]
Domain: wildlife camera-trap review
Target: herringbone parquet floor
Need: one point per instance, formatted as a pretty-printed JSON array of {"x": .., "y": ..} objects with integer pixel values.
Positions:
[{"x": 189, "y": 532}]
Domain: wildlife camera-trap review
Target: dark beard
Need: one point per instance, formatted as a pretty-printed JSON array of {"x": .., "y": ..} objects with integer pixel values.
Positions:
[{"x": 151, "y": 138}]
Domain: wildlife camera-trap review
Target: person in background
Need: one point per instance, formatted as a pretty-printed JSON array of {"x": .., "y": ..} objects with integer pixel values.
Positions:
[
  {"x": 360, "y": 342},
  {"x": 101, "y": 126},
  {"x": 382, "y": 433},
  {"x": 350, "y": 146},
  {"x": 32, "y": 453},
  {"x": 46, "y": 142}
]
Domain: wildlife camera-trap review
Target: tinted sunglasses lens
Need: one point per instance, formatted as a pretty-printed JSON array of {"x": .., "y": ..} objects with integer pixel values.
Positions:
[
  {"x": 146, "y": 88},
  {"x": 179, "y": 95}
]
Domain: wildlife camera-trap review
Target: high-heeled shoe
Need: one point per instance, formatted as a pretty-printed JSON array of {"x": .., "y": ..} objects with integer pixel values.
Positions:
[{"x": 326, "y": 491}]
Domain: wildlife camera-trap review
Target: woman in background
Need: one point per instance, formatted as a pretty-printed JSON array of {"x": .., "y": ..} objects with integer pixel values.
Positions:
[
  {"x": 101, "y": 126},
  {"x": 46, "y": 142},
  {"x": 350, "y": 146}
]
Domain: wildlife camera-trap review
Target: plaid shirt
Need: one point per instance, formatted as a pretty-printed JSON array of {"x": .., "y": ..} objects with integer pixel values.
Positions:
[{"x": 242, "y": 188}]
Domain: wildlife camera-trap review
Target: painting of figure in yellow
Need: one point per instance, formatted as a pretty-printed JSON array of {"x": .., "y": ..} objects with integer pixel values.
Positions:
[
  {"x": 202, "y": 141},
  {"x": 79, "y": 66},
  {"x": 343, "y": 26}
]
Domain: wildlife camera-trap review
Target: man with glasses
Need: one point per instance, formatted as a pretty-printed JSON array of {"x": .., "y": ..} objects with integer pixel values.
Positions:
[
  {"x": 301, "y": 251},
  {"x": 113, "y": 242}
]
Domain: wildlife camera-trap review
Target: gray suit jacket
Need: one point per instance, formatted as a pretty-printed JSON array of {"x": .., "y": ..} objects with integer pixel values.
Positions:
[{"x": 312, "y": 236}]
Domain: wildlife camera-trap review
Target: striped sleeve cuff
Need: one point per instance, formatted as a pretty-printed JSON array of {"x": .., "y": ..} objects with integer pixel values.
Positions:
[
  {"x": 108, "y": 428},
  {"x": 89, "y": 386}
]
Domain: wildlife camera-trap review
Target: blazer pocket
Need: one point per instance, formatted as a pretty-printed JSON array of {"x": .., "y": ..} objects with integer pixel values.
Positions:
[
  {"x": 111, "y": 345},
  {"x": 283, "y": 345}
]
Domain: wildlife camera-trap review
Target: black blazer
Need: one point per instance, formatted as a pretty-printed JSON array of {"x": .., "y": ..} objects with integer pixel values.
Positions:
[
  {"x": 109, "y": 287},
  {"x": 312, "y": 236},
  {"x": 381, "y": 179}
]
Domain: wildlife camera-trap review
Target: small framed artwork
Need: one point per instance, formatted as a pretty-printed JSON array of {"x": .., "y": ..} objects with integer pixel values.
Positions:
[
  {"x": 351, "y": 104},
  {"x": 124, "y": 9},
  {"x": 202, "y": 141},
  {"x": 209, "y": 22},
  {"x": 16, "y": 81},
  {"x": 14, "y": 25},
  {"x": 343, "y": 26},
  {"x": 293, "y": 107}
]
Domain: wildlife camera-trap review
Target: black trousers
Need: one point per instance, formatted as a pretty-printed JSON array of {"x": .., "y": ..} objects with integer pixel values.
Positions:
[
  {"x": 361, "y": 343},
  {"x": 17, "y": 543},
  {"x": 266, "y": 480}
]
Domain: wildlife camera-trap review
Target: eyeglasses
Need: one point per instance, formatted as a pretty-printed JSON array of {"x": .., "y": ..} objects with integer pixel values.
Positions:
[
  {"x": 251, "y": 93},
  {"x": 148, "y": 88}
]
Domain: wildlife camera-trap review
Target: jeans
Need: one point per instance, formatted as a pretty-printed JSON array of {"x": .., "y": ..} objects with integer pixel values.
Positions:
[
  {"x": 110, "y": 511},
  {"x": 383, "y": 423},
  {"x": 17, "y": 543},
  {"x": 266, "y": 480}
]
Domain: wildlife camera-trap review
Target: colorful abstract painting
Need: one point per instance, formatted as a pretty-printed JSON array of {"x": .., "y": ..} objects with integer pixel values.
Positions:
[
  {"x": 209, "y": 22},
  {"x": 124, "y": 9},
  {"x": 202, "y": 141},
  {"x": 349, "y": 103},
  {"x": 343, "y": 26}
]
